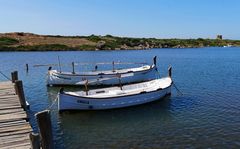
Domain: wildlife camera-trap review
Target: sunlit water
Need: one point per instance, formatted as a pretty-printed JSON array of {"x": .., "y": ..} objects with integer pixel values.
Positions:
[{"x": 206, "y": 116}]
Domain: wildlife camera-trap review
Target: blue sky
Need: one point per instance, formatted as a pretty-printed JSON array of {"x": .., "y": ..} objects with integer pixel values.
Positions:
[{"x": 133, "y": 18}]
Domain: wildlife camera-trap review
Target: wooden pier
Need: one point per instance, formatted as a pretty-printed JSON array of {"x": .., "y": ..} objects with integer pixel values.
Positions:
[{"x": 14, "y": 127}]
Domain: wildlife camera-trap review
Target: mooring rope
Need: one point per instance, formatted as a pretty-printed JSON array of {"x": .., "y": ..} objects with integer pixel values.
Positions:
[
  {"x": 179, "y": 92},
  {"x": 53, "y": 103},
  {"x": 5, "y": 76},
  {"x": 158, "y": 74}
]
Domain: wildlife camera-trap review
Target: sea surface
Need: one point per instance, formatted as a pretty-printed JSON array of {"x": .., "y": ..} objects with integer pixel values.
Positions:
[{"x": 207, "y": 115}]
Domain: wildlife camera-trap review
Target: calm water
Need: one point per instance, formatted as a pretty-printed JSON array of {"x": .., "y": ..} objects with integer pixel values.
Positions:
[{"x": 206, "y": 116}]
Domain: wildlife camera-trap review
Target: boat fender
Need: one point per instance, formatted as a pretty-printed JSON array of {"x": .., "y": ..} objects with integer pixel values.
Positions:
[
  {"x": 90, "y": 107},
  {"x": 61, "y": 90}
]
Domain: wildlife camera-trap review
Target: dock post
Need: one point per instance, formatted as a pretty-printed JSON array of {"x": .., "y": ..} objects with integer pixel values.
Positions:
[
  {"x": 27, "y": 68},
  {"x": 20, "y": 93},
  {"x": 170, "y": 71},
  {"x": 45, "y": 129},
  {"x": 14, "y": 75},
  {"x": 113, "y": 67},
  {"x": 35, "y": 138},
  {"x": 73, "y": 69}
]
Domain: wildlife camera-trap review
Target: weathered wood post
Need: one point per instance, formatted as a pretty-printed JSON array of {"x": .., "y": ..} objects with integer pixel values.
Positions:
[
  {"x": 35, "y": 140},
  {"x": 113, "y": 66},
  {"x": 170, "y": 71},
  {"x": 27, "y": 68},
  {"x": 45, "y": 129},
  {"x": 14, "y": 75},
  {"x": 96, "y": 67},
  {"x": 73, "y": 69},
  {"x": 20, "y": 93}
]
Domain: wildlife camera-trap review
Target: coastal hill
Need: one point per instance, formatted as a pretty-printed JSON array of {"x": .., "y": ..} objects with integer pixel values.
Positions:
[{"x": 19, "y": 41}]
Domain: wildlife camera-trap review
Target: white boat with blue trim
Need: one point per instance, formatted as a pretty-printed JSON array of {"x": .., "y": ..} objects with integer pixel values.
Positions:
[
  {"x": 108, "y": 77},
  {"x": 116, "y": 97}
]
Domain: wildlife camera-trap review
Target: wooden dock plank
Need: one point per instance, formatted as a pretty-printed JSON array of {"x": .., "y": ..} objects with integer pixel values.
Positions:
[
  {"x": 14, "y": 133},
  {"x": 17, "y": 144},
  {"x": 14, "y": 129},
  {"x": 11, "y": 107},
  {"x": 12, "y": 117},
  {"x": 19, "y": 122},
  {"x": 8, "y": 96},
  {"x": 8, "y": 111},
  {"x": 5, "y": 138}
]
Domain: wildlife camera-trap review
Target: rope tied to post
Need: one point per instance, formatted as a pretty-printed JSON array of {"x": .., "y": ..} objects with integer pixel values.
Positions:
[{"x": 5, "y": 76}]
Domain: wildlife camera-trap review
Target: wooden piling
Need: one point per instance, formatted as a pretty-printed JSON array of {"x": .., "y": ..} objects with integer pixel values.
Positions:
[
  {"x": 45, "y": 129},
  {"x": 35, "y": 140},
  {"x": 14, "y": 75},
  {"x": 170, "y": 71},
  {"x": 20, "y": 93},
  {"x": 26, "y": 67},
  {"x": 73, "y": 68},
  {"x": 96, "y": 67},
  {"x": 113, "y": 66}
]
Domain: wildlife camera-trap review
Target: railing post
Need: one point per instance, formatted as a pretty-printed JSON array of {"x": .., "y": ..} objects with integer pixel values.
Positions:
[
  {"x": 35, "y": 140},
  {"x": 45, "y": 129},
  {"x": 14, "y": 75},
  {"x": 86, "y": 87},
  {"x": 20, "y": 93},
  {"x": 119, "y": 80}
]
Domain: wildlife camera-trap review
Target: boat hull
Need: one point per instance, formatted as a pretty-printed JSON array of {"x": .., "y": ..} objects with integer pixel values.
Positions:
[
  {"x": 55, "y": 78},
  {"x": 69, "y": 102}
]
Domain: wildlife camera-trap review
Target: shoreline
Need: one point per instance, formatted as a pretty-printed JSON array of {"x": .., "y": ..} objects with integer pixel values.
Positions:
[
  {"x": 107, "y": 50},
  {"x": 18, "y": 41}
]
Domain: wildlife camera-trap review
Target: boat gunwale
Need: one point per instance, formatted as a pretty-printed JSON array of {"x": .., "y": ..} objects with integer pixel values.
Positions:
[
  {"x": 103, "y": 98},
  {"x": 102, "y": 74}
]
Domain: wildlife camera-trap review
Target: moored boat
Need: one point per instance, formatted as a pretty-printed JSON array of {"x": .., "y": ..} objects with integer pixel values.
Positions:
[
  {"x": 108, "y": 77},
  {"x": 116, "y": 97}
]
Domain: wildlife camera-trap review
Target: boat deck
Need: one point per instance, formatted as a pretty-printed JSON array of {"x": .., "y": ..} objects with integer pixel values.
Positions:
[
  {"x": 14, "y": 128},
  {"x": 130, "y": 89}
]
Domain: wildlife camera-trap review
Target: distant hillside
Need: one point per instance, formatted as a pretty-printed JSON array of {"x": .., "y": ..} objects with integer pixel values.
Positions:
[{"x": 19, "y": 41}]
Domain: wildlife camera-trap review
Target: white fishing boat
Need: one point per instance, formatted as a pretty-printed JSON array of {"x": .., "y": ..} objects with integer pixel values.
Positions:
[
  {"x": 115, "y": 97},
  {"x": 108, "y": 77}
]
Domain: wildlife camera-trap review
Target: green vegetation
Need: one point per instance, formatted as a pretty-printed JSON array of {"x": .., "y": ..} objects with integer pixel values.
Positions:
[
  {"x": 93, "y": 38},
  {"x": 33, "y": 42},
  {"x": 7, "y": 41},
  {"x": 85, "y": 47}
]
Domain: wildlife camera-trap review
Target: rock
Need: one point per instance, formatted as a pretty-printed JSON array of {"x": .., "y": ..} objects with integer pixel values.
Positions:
[{"x": 100, "y": 44}]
